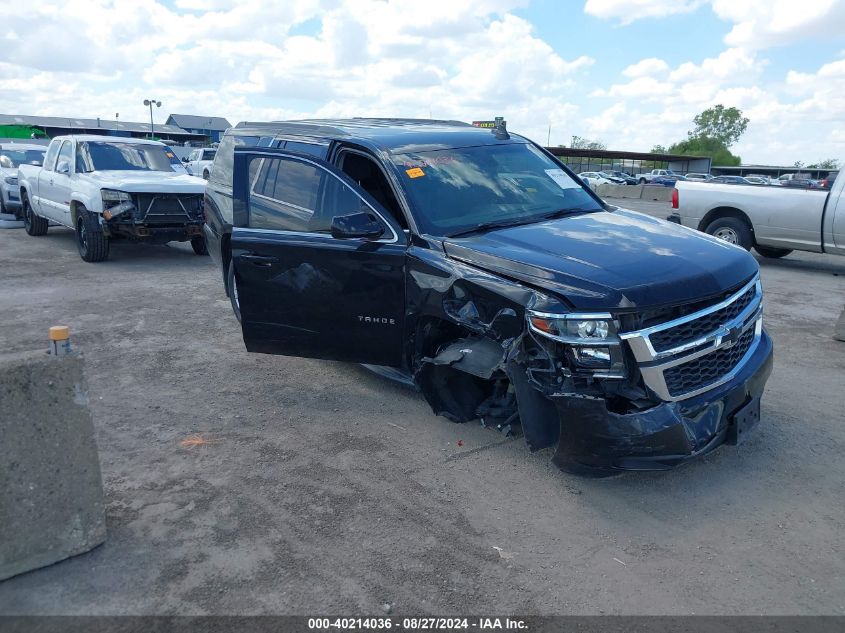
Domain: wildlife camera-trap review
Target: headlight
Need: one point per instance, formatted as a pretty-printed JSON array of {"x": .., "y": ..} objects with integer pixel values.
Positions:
[
  {"x": 116, "y": 203},
  {"x": 11, "y": 180},
  {"x": 590, "y": 340},
  {"x": 112, "y": 197}
]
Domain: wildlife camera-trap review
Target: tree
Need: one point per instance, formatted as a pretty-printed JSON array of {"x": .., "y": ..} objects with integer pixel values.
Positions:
[
  {"x": 723, "y": 124},
  {"x": 659, "y": 149},
  {"x": 703, "y": 146},
  {"x": 579, "y": 142},
  {"x": 827, "y": 163}
]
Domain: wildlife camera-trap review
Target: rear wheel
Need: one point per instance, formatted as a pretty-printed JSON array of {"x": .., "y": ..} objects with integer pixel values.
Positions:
[
  {"x": 232, "y": 285},
  {"x": 92, "y": 243},
  {"x": 199, "y": 246},
  {"x": 731, "y": 230},
  {"x": 33, "y": 224},
  {"x": 205, "y": 174},
  {"x": 643, "y": 181},
  {"x": 774, "y": 253}
]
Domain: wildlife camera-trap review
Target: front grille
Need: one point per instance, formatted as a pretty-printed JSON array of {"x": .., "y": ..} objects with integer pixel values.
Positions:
[
  {"x": 699, "y": 328},
  {"x": 690, "y": 354},
  {"x": 707, "y": 369},
  {"x": 157, "y": 208}
]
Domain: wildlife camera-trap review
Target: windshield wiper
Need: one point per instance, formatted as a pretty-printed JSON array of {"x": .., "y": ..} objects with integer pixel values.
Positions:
[
  {"x": 570, "y": 211},
  {"x": 488, "y": 226}
]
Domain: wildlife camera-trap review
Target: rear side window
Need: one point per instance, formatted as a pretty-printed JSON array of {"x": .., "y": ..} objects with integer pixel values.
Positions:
[
  {"x": 66, "y": 153},
  {"x": 291, "y": 195},
  {"x": 312, "y": 149},
  {"x": 224, "y": 160},
  {"x": 50, "y": 160}
]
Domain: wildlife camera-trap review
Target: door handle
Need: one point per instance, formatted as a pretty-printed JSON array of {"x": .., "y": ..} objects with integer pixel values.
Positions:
[{"x": 260, "y": 260}]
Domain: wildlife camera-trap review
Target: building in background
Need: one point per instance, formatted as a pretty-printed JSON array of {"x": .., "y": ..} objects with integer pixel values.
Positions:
[
  {"x": 52, "y": 126},
  {"x": 633, "y": 163},
  {"x": 212, "y": 127}
]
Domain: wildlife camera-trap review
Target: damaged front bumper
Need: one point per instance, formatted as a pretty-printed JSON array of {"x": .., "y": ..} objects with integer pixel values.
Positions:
[{"x": 594, "y": 440}]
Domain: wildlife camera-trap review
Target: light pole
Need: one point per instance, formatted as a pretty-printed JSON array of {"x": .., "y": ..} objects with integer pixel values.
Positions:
[{"x": 150, "y": 102}]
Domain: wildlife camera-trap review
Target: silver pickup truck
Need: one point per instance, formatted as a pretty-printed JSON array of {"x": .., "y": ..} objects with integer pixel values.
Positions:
[{"x": 773, "y": 220}]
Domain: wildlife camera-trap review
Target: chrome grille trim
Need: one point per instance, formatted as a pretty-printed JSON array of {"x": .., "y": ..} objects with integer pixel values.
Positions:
[{"x": 653, "y": 363}]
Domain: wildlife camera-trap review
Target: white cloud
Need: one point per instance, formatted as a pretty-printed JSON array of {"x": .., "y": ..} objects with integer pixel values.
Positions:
[
  {"x": 627, "y": 11},
  {"x": 646, "y": 68},
  {"x": 766, "y": 23}
]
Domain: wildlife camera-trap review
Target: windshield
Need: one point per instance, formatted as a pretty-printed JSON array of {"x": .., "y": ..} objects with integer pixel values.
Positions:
[
  {"x": 456, "y": 190},
  {"x": 18, "y": 157},
  {"x": 111, "y": 156}
]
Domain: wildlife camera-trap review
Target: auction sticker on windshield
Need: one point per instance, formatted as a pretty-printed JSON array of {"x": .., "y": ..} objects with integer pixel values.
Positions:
[
  {"x": 560, "y": 177},
  {"x": 415, "y": 172}
]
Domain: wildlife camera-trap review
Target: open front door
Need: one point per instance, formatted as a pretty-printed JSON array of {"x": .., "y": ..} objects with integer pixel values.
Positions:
[{"x": 301, "y": 291}]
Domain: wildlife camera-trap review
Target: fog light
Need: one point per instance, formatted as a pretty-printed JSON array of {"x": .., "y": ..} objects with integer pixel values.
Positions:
[{"x": 592, "y": 356}]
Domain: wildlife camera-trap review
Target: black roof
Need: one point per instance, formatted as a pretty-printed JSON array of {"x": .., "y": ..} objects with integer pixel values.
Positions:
[
  {"x": 394, "y": 135},
  {"x": 194, "y": 122}
]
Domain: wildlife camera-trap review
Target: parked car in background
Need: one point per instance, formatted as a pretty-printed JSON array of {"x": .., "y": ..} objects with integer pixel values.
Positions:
[
  {"x": 730, "y": 180},
  {"x": 667, "y": 181},
  {"x": 802, "y": 183},
  {"x": 698, "y": 177},
  {"x": 757, "y": 180},
  {"x": 593, "y": 178},
  {"x": 12, "y": 155},
  {"x": 628, "y": 178},
  {"x": 827, "y": 182},
  {"x": 773, "y": 221},
  {"x": 616, "y": 180},
  {"x": 654, "y": 173},
  {"x": 112, "y": 187},
  {"x": 199, "y": 161}
]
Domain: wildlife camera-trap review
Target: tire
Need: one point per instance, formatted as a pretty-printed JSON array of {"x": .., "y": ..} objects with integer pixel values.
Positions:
[
  {"x": 34, "y": 225},
  {"x": 199, "y": 245},
  {"x": 643, "y": 181},
  {"x": 732, "y": 230},
  {"x": 232, "y": 286},
  {"x": 773, "y": 253},
  {"x": 205, "y": 174},
  {"x": 92, "y": 243}
]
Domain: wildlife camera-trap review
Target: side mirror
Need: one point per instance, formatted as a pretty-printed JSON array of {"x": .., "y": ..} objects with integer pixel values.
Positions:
[
  {"x": 361, "y": 225},
  {"x": 63, "y": 167},
  {"x": 37, "y": 163}
]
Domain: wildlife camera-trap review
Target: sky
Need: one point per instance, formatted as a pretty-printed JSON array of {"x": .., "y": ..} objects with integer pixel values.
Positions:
[{"x": 630, "y": 73}]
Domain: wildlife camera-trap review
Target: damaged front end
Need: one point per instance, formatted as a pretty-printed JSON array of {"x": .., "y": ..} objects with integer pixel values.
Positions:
[{"x": 571, "y": 381}]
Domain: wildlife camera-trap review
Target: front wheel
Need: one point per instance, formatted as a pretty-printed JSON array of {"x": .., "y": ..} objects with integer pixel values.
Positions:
[
  {"x": 731, "y": 230},
  {"x": 773, "y": 253},
  {"x": 199, "y": 245},
  {"x": 92, "y": 243},
  {"x": 205, "y": 174},
  {"x": 33, "y": 224},
  {"x": 232, "y": 285},
  {"x": 643, "y": 181}
]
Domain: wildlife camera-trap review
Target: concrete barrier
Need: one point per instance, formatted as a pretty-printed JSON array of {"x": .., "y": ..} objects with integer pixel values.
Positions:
[
  {"x": 839, "y": 330},
  {"x": 657, "y": 192},
  {"x": 619, "y": 191},
  {"x": 51, "y": 493}
]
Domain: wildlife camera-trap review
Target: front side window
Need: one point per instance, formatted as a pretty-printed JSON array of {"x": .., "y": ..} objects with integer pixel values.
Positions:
[
  {"x": 291, "y": 195},
  {"x": 116, "y": 156},
  {"x": 456, "y": 190}
]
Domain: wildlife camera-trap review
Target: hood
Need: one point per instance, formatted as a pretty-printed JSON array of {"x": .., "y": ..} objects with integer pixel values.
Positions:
[
  {"x": 606, "y": 260},
  {"x": 147, "y": 181}
]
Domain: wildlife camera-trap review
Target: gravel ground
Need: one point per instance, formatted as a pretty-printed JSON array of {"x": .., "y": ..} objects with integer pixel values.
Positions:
[{"x": 324, "y": 488}]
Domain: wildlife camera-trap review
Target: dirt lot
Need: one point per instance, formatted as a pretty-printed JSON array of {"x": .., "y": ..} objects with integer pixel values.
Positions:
[{"x": 327, "y": 489}]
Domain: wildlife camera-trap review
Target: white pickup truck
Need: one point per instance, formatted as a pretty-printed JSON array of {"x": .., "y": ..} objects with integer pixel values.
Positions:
[
  {"x": 106, "y": 188},
  {"x": 773, "y": 220},
  {"x": 199, "y": 162},
  {"x": 654, "y": 173}
]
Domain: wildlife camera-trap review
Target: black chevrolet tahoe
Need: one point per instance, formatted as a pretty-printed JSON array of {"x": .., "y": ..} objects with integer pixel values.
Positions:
[{"x": 474, "y": 264}]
